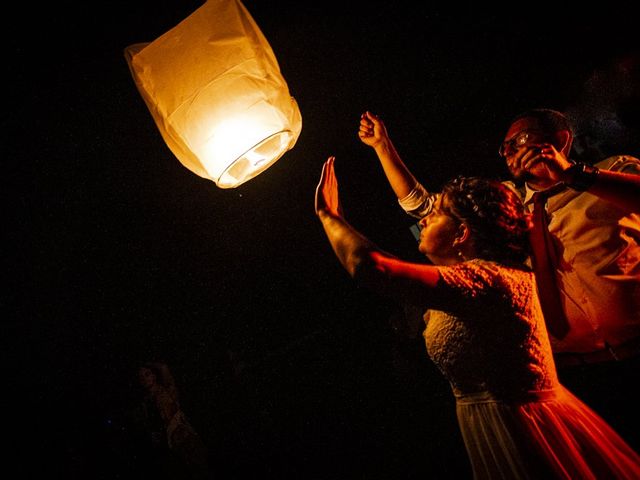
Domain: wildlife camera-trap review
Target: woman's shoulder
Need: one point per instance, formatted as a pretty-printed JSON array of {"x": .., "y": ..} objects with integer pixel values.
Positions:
[
  {"x": 501, "y": 269},
  {"x": 481, "y": 264},
  {"x": 477, "y": 273}
]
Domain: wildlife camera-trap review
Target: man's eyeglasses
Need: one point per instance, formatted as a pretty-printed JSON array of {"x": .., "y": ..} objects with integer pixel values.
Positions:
[{"x": 516, "y": 141}]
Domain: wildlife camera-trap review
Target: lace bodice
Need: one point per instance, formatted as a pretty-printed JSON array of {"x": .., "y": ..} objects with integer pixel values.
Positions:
[{"x": 488, "y": 333}]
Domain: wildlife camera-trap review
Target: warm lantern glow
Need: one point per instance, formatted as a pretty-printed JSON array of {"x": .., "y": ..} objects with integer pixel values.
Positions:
[{"x": 214, "y": 88}]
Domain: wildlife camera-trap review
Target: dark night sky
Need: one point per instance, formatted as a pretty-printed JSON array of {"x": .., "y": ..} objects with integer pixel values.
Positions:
[{"x": 118, "y": 254}]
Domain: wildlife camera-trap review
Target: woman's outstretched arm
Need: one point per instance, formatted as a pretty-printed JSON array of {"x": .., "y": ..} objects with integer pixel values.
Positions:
[{"x": 362, "y": 259}]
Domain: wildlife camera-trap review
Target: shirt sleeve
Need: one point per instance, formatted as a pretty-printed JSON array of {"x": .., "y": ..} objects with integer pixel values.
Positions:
[
  {"x": 418, "y": 202},
  {"x": 621, "y": 163}
]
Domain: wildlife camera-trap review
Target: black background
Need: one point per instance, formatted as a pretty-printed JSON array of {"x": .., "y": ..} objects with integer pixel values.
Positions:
[{"x": 119, "y": 255}]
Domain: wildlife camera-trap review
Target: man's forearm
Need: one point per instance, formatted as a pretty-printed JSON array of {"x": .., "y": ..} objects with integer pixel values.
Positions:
[{"x": 621, "y": 189}]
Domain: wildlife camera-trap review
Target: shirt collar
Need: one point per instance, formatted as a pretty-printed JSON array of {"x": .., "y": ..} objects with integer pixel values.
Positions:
[{"x": 552, "y": 190}]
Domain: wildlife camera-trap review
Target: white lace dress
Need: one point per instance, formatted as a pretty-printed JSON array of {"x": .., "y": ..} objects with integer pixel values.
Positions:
[{"x": 489, "y": 340}]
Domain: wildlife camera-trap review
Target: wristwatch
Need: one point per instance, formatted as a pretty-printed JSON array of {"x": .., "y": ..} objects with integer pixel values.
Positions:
[{"x": 581, "y": 176}]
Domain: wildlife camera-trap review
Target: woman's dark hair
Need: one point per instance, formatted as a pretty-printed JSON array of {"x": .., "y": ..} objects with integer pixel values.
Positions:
[
  {"x": 494, "y": 214},
  {"x": 163, "y": 376}
]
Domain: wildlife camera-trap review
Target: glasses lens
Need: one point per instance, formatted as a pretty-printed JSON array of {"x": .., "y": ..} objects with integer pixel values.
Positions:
[
  {"x": 515, "y": 142},
  {"x": 503, "y": 148},
  {"x": 521, "y": 139}
]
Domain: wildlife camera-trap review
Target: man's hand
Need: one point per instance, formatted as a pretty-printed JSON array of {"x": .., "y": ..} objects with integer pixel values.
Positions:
[
  {"x": 543, "y": 161},
  {"x": 327, "y": 190},
  {"x": 556, "y": 162}
]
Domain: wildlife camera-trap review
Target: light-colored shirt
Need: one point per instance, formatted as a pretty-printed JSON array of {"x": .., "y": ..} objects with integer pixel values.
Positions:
[{"x": 599, "y": 272}]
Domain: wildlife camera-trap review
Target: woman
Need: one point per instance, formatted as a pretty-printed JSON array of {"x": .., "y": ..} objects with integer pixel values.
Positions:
[
  {"x": 485, "y": 332},
  {"x": 161, "y": 401}
]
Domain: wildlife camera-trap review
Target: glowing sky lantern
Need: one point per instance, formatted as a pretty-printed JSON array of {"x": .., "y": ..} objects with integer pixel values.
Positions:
[{"x": 214, "y": 88}]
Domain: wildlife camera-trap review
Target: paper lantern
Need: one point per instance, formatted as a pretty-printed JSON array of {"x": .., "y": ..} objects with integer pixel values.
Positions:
[{"x": 214, "y": 88}]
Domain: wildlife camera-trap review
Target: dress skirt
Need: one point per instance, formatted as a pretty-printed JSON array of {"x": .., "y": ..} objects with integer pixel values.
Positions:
[{"x": 548, "y": 434}]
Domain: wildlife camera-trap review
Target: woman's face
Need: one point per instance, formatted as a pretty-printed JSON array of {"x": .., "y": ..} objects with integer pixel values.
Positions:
[
  {"x": 146, "y": 377},
  {"x": 438, "y": 234}
]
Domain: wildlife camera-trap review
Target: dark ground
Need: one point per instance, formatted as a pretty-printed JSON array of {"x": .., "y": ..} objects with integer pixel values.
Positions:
[{"x": 118, "y": 254}]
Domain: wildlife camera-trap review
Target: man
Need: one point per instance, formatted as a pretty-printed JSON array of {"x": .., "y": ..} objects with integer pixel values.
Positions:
[{"x": 594, "y": 222}]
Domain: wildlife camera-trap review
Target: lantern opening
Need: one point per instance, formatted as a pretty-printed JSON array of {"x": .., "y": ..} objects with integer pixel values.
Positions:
[{"x": 255, "y": 160}]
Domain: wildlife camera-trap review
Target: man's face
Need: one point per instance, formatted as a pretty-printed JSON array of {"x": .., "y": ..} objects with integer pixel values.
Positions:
[{"x": 522, "y": 142}]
